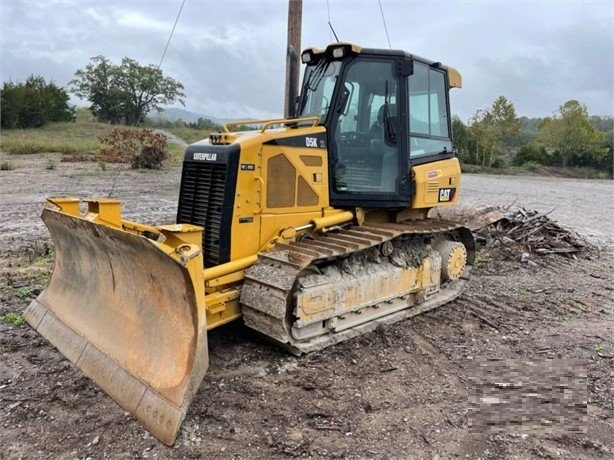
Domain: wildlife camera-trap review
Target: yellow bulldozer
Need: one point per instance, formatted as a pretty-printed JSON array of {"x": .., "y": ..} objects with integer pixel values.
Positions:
[{"x": 313, "y": 229}]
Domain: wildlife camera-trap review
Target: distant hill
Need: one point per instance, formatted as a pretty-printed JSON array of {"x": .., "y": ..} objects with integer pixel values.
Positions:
[{"x": 173, "y": 114}]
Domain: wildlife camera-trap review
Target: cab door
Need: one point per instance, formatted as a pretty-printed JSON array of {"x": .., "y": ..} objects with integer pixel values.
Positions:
[{"x": 367, "y": 141}]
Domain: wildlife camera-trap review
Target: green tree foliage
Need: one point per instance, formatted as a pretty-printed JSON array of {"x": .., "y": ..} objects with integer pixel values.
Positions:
[
  {"x": 461, "y": 139},
  {"x": 491, "y": 128},
  {"x": 205, "y": 123},
  {"x": 530, "y": 124},
  {"x": 573, "y": 136},
  {"x": 532, "y": 153},
  {"x": 33, "y": 103},
  {"x": 125, "y": 92}
]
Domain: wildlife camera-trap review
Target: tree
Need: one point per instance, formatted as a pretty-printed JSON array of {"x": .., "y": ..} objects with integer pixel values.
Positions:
[
  {"x": 33, "y": 103},
  {"x": 492, "y": 127},
  {"x": 571, "y": 134},
  {"x": 506, "y": 123},
  {"x": 461, "y": 139},
  {"x": 483, "y": 136},
  {"x": 126, "y": 92}
]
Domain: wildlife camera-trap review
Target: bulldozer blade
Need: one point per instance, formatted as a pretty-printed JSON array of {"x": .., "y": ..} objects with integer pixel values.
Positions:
[{"x": 129, "y": 312}]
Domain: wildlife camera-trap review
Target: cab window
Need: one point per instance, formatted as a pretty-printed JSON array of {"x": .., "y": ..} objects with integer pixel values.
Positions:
[{"x": 428, "y": 115}]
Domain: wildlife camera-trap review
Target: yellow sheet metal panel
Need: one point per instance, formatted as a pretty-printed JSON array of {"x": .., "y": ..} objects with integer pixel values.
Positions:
[
  {"x": 249, "y": 195},
  {"x": 67, "y": 205},
  {"x": 285, "y": 179},
  {"x": 455, "y": 78},
  {"x": 436, "y": 184}
]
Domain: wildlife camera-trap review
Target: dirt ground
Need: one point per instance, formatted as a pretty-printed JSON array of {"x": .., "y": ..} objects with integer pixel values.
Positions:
[{"x": 398, "y": 392}]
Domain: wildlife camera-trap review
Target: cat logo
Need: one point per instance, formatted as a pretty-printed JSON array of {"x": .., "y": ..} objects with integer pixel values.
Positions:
[
  {"x": 311, "y": 142},
  {"x": 446, "y": 194}
]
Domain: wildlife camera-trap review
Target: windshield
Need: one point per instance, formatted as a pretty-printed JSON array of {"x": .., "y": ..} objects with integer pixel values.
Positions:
[{"x": 318, "y": 86}]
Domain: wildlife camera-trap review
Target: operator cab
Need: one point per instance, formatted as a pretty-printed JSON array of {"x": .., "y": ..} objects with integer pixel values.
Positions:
[{"x": 384, "y": 111}]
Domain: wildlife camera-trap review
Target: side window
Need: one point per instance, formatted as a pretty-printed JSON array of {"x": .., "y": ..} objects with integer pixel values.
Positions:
[
  {"x": 349, "y": 114},
  {"x": 327, "y": 95},
  {"x": 318, "y": 86},
  {"x": 419, "y": 100},
  {"x": 428, "y": 115},
  {"x": 437, "y": 96}
]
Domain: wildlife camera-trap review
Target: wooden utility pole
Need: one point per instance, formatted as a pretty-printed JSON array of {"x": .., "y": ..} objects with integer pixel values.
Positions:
[{"x": 293, "y": 63}]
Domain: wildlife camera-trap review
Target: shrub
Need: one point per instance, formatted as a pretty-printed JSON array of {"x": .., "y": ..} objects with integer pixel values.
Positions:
[
  {"x": 6, "y": 166},
  {"x": 33, "y": 104},
  {"x": 51, "y": 164},
  {"x": 141, "y": 148},
  {"x": 532, "y": 153},
  {"x": 149, "y": 158},
  {"x": 531, "y": 166},
  {"x": 499, "y": 163},
  {"x": 470, "y": 168}
]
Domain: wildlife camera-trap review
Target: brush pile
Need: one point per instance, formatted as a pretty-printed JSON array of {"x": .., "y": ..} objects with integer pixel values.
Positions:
[{"x": 535, "y": 232}]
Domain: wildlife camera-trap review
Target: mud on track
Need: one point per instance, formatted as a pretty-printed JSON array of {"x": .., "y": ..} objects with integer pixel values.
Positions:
[{"x": 400, "y": 390}]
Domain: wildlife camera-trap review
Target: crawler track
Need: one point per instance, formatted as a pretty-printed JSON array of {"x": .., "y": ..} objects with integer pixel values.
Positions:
[{"x": 370, "y": 265}]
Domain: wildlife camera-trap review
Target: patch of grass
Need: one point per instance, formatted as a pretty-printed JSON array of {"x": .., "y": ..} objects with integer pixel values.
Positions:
[
  {"x": 23, "y": 292},
  {"x": 51, "y": 164},
  {"x": 524, "y": 294},
  {"x": 190, "y": 135},
  {"x": 79, "y": 140},
  {"x": 175, "y": 154},
  {"x": 470, "y": 169},
  {"x": 44, "y": 140},
  {"x": 39, "y": 253},
  {"x": 5, "y": 349},
  {"x": 6, "y": 166},
  {"x": 37, "y": 275},
  {"x": 47, "y": 256},
  {"x": 592, "y": 173},
  {"x": 13, "y": 318},
  {"x": 65, "y": 137},
  {"x": 531, "y": 166},
  {"x": 599, "y": 347},
  {"x": 480, "y": 260}
]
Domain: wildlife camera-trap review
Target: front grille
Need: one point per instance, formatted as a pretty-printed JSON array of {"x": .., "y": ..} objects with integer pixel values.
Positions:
[{"x": 202, "y": 202}]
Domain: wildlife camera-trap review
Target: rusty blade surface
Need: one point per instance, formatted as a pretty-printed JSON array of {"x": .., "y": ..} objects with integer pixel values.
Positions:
[{"x": 127, "y": 315}]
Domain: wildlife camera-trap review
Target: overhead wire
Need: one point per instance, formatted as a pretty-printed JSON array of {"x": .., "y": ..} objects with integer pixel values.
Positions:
[
  {"x": 381, "y": 10},
  {"x": 329, "y": 22},
  {"x": 159, "y": 65},
  {"x": 168, "y": 42},
  {"x": 171, "y": 34}
]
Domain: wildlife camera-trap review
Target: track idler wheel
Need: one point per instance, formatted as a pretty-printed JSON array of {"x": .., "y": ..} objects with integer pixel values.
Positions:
[{"x": 454, "y": 259}]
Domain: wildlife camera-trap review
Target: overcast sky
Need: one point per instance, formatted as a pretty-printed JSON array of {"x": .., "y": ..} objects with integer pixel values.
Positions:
[{"x": 230, "y": 55}]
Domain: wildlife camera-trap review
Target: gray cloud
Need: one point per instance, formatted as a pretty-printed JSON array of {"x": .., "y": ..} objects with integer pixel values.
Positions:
[{"x": 230, "y": 55}]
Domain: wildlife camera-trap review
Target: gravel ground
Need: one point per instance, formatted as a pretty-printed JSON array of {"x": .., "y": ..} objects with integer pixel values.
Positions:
[
  {"x": 400, "y": 391},
  {"x": 584, "y": 205}
]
